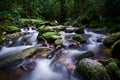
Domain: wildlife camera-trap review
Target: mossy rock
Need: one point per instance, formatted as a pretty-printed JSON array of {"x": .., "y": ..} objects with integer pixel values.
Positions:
[
  {"x": 79, "y": 38},
  {"x": 44, "y": 29},
  {"x": 15, "y": 58},
  {"x": 92, "y": 70},
  {"x": 113, "y": 65},
  {"x": 59, "y": 28},
  {"x": 58, "y": 42},
  {"x": 111, "y": 39},
  {"x": 113, "y": 68},
  {"x": 11, "y": 29},
  {"x": 33, "y": 21},
  {"x": 51, "y": 36},
  {"x": 116, "y": 50}
]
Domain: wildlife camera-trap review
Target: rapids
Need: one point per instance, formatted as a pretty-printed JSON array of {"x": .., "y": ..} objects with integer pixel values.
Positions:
[{"x": 62, "y": 65}]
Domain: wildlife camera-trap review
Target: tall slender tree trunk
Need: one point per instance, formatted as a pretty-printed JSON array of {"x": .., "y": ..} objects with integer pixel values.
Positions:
[{"x": 62, "y": 11}]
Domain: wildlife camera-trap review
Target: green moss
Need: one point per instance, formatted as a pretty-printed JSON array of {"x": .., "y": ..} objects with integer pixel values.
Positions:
[
  {"x": 60, "y": 28},
  {"x": 33, "y": 21},
  {"x": 15, "y": 58},
  {"x": 91, "y": 70},
  {"x": 111, "y": 39},
  {"x": 116, "y": 49},
  {"x": 11, "y": 29},
  {"x": 78, "y": 38},
  {"x": 112, "y": 66},
  {"x": 44, "y": 29},
  {"x": 51, "y": 35}
]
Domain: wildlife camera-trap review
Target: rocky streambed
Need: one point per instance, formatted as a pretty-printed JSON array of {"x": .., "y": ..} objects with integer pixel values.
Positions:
[{"x": 57, "y": 53}]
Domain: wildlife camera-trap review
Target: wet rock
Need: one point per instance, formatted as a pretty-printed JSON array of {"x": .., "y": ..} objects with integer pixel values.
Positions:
[
  {"x": 43, "y": 52},
  {"x": 71, "y": 29},
  {"x": 57, "y": 28},
  {"x": 79, "y": 38},
  {"x": 111, "y": 39},
  {"x": 58, "y": 42},
  {"x": 99, "y": 39},
  {"x": 80, "y": 30},
  {"x": 88, "y": 54},
  {"x": 92, "y": 70},
  {"x": 12, "y": 36},
  {"x": 15, "y": 58},
  {"x": 116, "y": 50}
]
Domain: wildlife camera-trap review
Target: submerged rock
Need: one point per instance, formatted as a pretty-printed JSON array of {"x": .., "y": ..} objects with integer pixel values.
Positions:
[
  {"x": 111, "y": 39},
  {"x": 116, "y": 50},
  {"x": 88, "y": 54},
  {"x": 92, "y": 70},
  {"x": 43, "y": 52},
  {"x": 15, "y": 58}
]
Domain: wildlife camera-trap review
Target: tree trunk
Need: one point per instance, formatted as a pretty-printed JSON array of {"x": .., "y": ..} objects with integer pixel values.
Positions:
[{"x": 63, "y": 11}]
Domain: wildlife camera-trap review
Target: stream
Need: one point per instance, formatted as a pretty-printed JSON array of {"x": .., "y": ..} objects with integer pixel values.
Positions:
[{"x": 63, "y": 63}]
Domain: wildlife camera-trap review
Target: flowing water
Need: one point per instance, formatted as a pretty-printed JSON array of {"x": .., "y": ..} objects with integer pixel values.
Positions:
[{"x": 61, "y": 66}]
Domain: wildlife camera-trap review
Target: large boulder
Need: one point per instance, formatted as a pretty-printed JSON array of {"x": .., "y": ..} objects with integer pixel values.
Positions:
[
  {"x": 91, "y": 70},
  {"x": 111, "y": 39},
  {"x": 15, "y": 58},
  {"x": 33, "y": 21},
  {"x": 116, "y": 50}
]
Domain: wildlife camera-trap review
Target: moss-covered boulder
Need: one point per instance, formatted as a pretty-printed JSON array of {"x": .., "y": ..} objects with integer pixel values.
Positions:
[
  {"x": 59, "y": 28},
  {"x": 44, "y": 29},
  {"x": 79, "y": 38},
  {"x": 116, "y": 50},
  {"x": 51, "y": 36},
  {"x": 33, "y": 21},
  {"x": 91, "y": 70},
  {"x": 113, "y": 68},
  {"x": 15, "y": 58},
  {"x": 111, "y": 39},
  {"x": 11, "y": 29},
  {"x": 113, "y": 65}
]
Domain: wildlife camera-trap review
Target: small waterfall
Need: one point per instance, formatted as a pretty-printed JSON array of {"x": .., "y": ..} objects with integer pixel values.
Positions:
[
  {"x": 27, "y": 40},
  {"x": 66, "y": 37},
  {"x": 92, "y": 42},
  {"x": 57, "y": 68}
]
